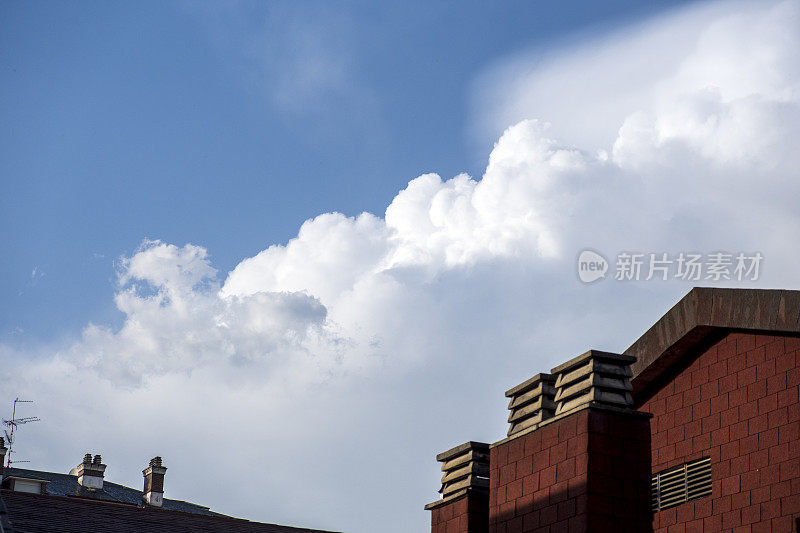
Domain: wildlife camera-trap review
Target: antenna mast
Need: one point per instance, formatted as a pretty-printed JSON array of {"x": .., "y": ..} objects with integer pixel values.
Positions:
[{"x": 12, "y": 425}]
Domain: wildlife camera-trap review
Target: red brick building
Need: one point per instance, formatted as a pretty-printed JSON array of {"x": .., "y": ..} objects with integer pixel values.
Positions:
[{"x": 695, "y": 427}]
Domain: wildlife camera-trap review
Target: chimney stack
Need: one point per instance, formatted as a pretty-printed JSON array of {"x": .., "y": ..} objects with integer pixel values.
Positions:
[
  {"x": 154, "y": 482},
  {"x": 3, "y": 451},
  {"x": 90, "y": 472}
]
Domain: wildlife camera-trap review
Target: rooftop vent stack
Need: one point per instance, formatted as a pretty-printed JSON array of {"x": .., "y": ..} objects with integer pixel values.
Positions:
[
  {"x": 594, "y": 378},
  {"x": 3, "y": 451},
  {"x": 466, "y": 468},
  {"x": 154, "y": 482},
  {"x": 531, "y": 402},
  {"x": 90, "y": 472}
]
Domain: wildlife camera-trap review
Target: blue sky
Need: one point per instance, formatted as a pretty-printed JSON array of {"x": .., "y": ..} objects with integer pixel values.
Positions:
[
  {"x": 244, "y": 227},
  {"x": 162, "y": 120}
]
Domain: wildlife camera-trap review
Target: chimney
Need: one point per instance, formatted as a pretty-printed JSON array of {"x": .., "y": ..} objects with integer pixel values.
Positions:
[
  {"x": 464, "y": 506},
  {"x": 577, "y": 452},
  {"x": 154, "y": 482},
  {"x": 3, "y": 451},
  {"x": 90, "y": 472}
]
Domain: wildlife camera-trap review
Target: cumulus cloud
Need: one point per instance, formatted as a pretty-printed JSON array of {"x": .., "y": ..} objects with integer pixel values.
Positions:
[{"x": 335, "y": 366}]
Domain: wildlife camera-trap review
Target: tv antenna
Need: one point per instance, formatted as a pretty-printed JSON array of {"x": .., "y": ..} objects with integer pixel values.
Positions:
[{"x": 12, "y": 425}]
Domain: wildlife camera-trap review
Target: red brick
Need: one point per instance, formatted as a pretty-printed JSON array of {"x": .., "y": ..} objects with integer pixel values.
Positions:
[
  {"x": 756, "y": 391},
  {"x": 759, "y": 459},
  {"x": 790, "y": 504},
  {"x": 731, "y": 519},
  {"x": 745, "y": 342},
  {"x": 721, "y": 504},
  {"x": 779, "y": 490},
  {"x": 730, "y": 449},
  {"x": 746, "y": 377},
  {"x": 792, "y": 377},
  {"x": 760, "y": 495},
  {"x": 789, "y": 433},
  {"x": 778, "y": 417},
  {"x": 720, "y": 403},
  {"x": 768, "y": 439},
  {"x": 507, "y": 473},
  {"x": 701, "y": 443},
  {"x": 737, "y": 397},
  {"x": 775, "y": 348},
  {"x": 712, "y": 523},
  {"x": 720, "y": 436},
  {"x": 730, "y": 485},
  {"x": 769, "y": 474},
  {"x": 739, "y": 500},
  {"x": 776, "y": 383},
  {"x": 739, "y": 430},
  {"x": 691, "y": 396},
  {"x": 729, "y": 417},
  {"x": 750, "y": 480},
  {"x": 746, "y": 444},
  {"x": 758, "y": 424},
  {"x": 693, "y": 428},
  {"x": 547, "y": 476},
  {"x": 790, "y": 468},
  {"x": 702, "y": 508},
  {"x": 740, "y": 465},
  {"x": 768, "y": 403},
  {"x": 717, "y": 370},
  {"x": 750, "y": 409},
  {"x": 657, "y": 407},
  {"x": 736, "y": 363},
  {"x": 701, "y": 409},
  {"x": 784, "y": 362},
  {"x": 765, "y": 369},
  {"x": 791, "y": 343},
  {"x": 782, "y": 524},
  {"x": 770, "y": 509},
  {"x": 557, "y": 454}
]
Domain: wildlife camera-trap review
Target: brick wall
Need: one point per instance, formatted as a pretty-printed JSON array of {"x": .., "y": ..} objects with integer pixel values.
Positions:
[
  {"x": 737, "y": 403},
  {"x": 464, "y": 515},
  {"x": 540, "y": 481}
]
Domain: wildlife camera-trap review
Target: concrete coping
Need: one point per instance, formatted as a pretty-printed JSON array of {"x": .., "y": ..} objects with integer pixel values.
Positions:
[
  {"x": 597, "y": 355},
  {"x": 469, "y": 491},
  {"x": 530, "y": 384},
  {"x": 461, "y": 449}
]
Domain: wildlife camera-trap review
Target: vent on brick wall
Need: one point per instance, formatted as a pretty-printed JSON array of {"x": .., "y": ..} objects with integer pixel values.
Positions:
[
  {"x": 464, "y": 467},
  {"x": 681, "y": 484},
  {"x": 531, "y": 402}
]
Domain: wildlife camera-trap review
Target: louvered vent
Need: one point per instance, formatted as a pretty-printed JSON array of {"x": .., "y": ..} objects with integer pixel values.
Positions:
[
  {"x": 465, "y": 467},
  {"x": 594, "y": 378},
  {"x": 531, "y": 402},
  {"x": 681, "y": 484}
]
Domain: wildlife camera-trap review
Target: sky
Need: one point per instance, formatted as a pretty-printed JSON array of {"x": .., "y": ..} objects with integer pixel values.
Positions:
[{"x": 297, "y": 249}]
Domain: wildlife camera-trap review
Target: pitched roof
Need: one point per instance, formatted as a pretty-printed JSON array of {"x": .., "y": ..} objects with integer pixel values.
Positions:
[
  {"x": 68, "y": 507},
  {"x": 36, "y": 513},
  {"x": 703, "y": 316},
  {"x": 67, "y": 485}
]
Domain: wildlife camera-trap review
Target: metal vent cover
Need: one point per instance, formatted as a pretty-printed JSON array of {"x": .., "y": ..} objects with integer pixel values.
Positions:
[{"x": 681, "y": 484}]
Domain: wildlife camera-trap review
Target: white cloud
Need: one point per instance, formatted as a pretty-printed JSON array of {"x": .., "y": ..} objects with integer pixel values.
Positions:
[{"x": 332, "y": 369}]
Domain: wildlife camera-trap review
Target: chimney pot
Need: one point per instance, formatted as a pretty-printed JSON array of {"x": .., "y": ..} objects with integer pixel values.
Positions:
[
  {"x": 97, "y": 460},
  {"x": 87, "y": 459}
]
